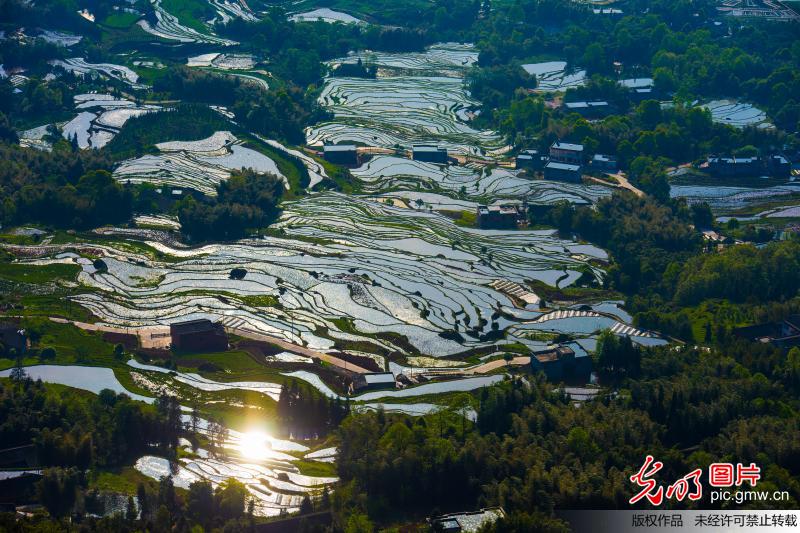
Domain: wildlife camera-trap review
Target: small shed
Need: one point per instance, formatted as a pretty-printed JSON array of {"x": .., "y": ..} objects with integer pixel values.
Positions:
[
  {"x": 374, "y": 381},
  {"x": 341, "y": 154},
  {"x": 201, "y": 335},
  {"x": 429, "y": 153}
]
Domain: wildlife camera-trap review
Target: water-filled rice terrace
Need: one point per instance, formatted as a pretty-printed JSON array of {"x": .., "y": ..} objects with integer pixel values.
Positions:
[
  {"x": 416, "y": 98},
  {"x": 555, "y": 75},
  {"x": 100, "y": 117},
  {"x": 167, "y": 26},
  {"x": 737, "y": 114},
  {"x": 390, "y": 173},
  {"x": 199, "y": 165},
  {"x": 325, "y": 14},
  {"x": 382, "y": 268}
]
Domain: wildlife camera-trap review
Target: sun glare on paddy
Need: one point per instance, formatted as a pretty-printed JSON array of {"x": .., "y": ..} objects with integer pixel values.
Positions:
[{"x": 254, "y": 445}]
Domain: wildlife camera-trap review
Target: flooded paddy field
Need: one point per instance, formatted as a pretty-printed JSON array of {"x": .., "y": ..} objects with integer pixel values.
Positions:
[
  {"x": 167, "y": 26},
  {"x": 100, "y": 117},
  {"x": 416, "y": 98},
  {"x": 391, "y": 173},
  {"x": 199, "y": 165},
  {"x": 345, "y": 268}
]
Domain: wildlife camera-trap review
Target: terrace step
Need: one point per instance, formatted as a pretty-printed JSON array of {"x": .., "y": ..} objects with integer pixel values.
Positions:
[
  {"x": 618, "y": 328},
  {"x": 516, "y": 290}
]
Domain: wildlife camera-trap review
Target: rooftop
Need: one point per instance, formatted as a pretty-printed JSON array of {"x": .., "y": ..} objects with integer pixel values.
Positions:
[
  {"x": 377, "y": 378},
  {"x": 500, "y": 208},
  {"x": 637, "y": 83},
  {"x": 428, "y": 148},
  {"x": 733, "y": 160},
  {"x": 194, "y": 326},
  {"x": 567, "y": 146},
  {"x": 584, "y": 105},
  {"x": 562, "y": 166},
  {"x": 553, "y": 353},
  {"x": 339, "y": 148},
  {"x": 604, "y": 158}
]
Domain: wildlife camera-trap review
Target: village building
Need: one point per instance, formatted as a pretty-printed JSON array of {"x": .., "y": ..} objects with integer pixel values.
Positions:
[
  {"x": 341, "y": 154},
  {"x": 201, "y": 335},
  {"x": 373, "y": 381},
  {"x": 774, "y": 165},
  {"x": 785, "y": 334},
  {"x": 595, "y": 109},
  {"x": 639, "y": 89},
  {"x": 429, "y": 153},
  {"x": 501, "y": 216},
  {"x": 610, "y": 12},
  {"x": 466, "y": 522},
  {"x": 560, "y": 363},
  {"x": 604, "y": 163},
  {"x": 557, "y": 171},
  {"x": 572, "y": 154},
  {"x": 530, "y": 159}
]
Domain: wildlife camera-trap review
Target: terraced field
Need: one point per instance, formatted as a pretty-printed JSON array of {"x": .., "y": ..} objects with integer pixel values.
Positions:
[
  {"x": 81, "y": 67},
  {"x": 326, "y": 15},
  {"x": 389, "y": 173},
  {"x": 555, "y": 76},
  {"x": 100, "y": 117},
  {"x": 344, "y": 261},
  {"x": 199, "y": 165},
  {"x": 737, "y": 114},
  {"x": 416, "y": 98},
  {"x": 167, "y": 26}
]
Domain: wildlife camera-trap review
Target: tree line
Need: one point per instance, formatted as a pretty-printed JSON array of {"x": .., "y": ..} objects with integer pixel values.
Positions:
[{"x": 533, "y": 452}]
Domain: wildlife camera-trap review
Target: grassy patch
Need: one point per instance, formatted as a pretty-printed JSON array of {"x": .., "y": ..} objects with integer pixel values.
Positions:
[
  {"x": 53, "y": 305},
  {"x": 123, "y": 480},
  {"x": 260, "y": 300},
  {"x": 120, "y": 20},
  {"x": 315, "y": 468},
  {"x": 236, "y": 365},
  {"x": 187, "y": 122},
  {"x": 467, "y": 219},
  {"x": 292, "y": 168},
  {"x": 72, "y": 345},
  {"x": 190, "y": 13},
  {"x": 38, "y": 273},
  {"x": 549, "y": 293}
]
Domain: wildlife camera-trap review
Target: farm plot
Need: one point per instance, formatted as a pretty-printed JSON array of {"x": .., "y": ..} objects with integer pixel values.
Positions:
[
  {"x": 555, "y": 76},
  {"x": 263, "y": 463},
  {"x": 374, "y": 270},
  {"x": 199, "y": 165},
  {"x": 238, "y": 65},
  {"x": 167, "y": 26},
  {"x": 81, "y": 67},
  {"x": 35, "y": 138},
  {"x": 100, "y": 117},
  {"x": 276, "y": 485},
  {"x": 222, "y": 61},
  {"x": 443, "y": 59},
  {"x": 228, "y": 10},
  {"x": 737, "y": 114},
  {"x": 416, "y": 98},
  {"x": 325, "y": 15},
  {"x": 390, "y": 173},
  {"x": 400, "y": 111},
  {"x": 60, "y": 38},
  {"x": 723, "y": 199}
]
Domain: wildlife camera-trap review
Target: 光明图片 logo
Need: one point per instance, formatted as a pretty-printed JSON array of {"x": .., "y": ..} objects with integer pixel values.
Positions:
[{"x": 690, "y": 486}]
